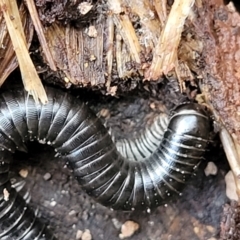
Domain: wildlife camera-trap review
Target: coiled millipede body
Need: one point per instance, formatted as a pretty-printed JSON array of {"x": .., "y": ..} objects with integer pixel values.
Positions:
[{"x": 80, "y": 139}]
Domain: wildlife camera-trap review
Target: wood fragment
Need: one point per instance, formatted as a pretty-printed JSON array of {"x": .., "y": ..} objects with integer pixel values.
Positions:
[
  {"x": 39, "y": 29},
  {"x": 231, "y": 192},
  {"x": 126, "y": 30},
  {"x": 232, "y": 156},
  {"x": 128, "y": 34},
  {"x": 150, "y": 25},
  {"x": 165, "y": 53},
  {"x": 161, "y": 9},
  {"x": 8, "y": 59},
  {"x": 109, "y": 56},
  {"x": 31, "y": 80}
]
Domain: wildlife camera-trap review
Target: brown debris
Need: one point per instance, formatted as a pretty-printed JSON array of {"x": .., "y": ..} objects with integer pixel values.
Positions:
[
  {"x": 105, "y": 42},
  {"x": 230, "y": 223},
  {"x": 77, "y": 11}
]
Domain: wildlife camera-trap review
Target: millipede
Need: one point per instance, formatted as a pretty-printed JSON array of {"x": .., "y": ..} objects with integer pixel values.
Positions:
[{"x": 126, "y": 179}]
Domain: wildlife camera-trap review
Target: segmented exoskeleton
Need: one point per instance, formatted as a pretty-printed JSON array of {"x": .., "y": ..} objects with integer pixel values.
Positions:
[
  {"x": 80, "y": 139},
  {"x": 144, "y": 144}
]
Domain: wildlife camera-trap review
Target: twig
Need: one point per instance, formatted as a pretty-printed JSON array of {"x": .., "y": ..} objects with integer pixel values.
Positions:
[{"x": 31, "y": 80}]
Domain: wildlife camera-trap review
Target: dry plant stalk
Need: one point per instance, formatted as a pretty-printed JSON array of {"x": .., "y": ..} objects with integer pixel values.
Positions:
[
  {"x": 232, "y": 150},
  {"x": 126, "y": 30},
  {"x": 8, "y": 59},
  {"x": 39, "y": 29},
  {"x": 161, "y": 9},
  {"x": 109, "y": 54},
  {"x": 31, "y": 80},
  {"x": 165, "y": 53}
]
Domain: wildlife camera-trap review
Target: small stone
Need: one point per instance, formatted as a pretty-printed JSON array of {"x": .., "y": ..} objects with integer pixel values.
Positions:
[
  {"x": 128, "y": 229},
  {"x": 66, "y": 80},
  {"x": 23, "y": 173},
  {"x": 53, "y": 203},
  {"x": 72, "y": 213},
  {"x": 104, "y": 113},
  {"x": 210, "y": 228},
  {"x": 86, "y": 235},
  {"x": 47, "y": 176},
  {"x": 153, "y": 105},
  {"x": 196, "y": 230},
  {"x": 79, "y": 234},
  {"x": 211, "y": 169}
]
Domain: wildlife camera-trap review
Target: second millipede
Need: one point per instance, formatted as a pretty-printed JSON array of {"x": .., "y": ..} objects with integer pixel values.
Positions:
[{"x": 80, "y": 139}]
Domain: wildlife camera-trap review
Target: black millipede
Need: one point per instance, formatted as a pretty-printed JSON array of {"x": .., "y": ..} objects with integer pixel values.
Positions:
[{"x": 81, "y": 140}]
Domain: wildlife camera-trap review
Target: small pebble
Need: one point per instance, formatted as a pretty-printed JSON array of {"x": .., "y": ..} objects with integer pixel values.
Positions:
[
  {"x": 196, "y": 230},
  {"x": 153, "y": 105},
  {"x": 79, "y": 234},
  {"x": 86, "y": 235},
  {"x": 211, "y": 229},
  {"x": 128, "y": 229},
  {"x": 23, "y": 173},
  {"x": 53, "y": 203},
  {"x": 104, "y": 113},
  {"x": 47, "y": 176},
  {"x": 72, "y": 213},
  {"x": 211, "y": 169}
]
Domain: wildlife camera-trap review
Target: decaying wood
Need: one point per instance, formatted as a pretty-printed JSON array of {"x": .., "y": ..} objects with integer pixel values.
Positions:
[
  {"x": 31, "y": 81},
  {"x": 110, "y": 46},
  {"x": 165, "y": 53},
  {"x": 77, "y": 54}
]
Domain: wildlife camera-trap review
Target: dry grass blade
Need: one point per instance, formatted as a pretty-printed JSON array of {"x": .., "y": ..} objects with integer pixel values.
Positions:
[
  {"x": 39, "y": 29},
  {"x": 31, "y": 80},
  {"x": 8, "y": 59},
  {"x": 231, "y": 148},
  {"x": 165, "y": 54}
]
